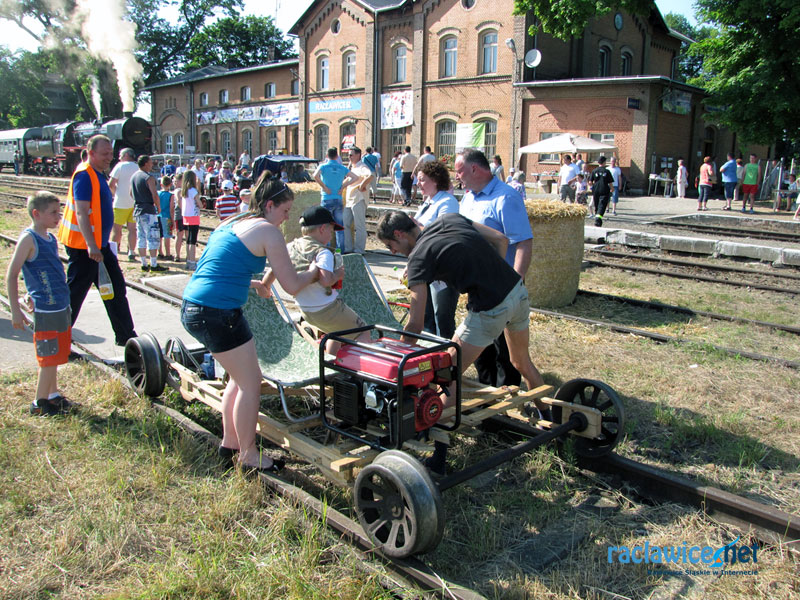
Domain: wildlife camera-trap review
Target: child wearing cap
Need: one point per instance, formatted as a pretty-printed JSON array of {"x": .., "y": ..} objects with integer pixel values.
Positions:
[
  {"x": 319, "y": 302},
  {"x": 227, "y": 204}
]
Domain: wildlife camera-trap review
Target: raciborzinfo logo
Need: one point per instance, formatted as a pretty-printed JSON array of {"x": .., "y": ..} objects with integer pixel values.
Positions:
[{"x": 700, "y": 560}]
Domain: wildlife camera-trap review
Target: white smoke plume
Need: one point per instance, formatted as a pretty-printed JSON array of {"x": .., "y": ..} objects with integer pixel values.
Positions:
[
  {"x": 108, "y": 35},
  {"x": 96, "y": 99}
]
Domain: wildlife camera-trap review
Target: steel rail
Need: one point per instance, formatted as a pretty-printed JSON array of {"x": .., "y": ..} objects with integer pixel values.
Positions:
[
  {"x": 666, "y": 339},
  {"x": 732, "y": 231},
  {"x": 689, "y": 311},
  {"x": 689, "y": 263},
  {"x": 755, "y": 286}
]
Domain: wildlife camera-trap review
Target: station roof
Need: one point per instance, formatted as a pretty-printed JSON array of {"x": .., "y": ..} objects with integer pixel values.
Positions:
[
  {"x": 373, "y": 6},
  {"x": 217, "y": 71}
]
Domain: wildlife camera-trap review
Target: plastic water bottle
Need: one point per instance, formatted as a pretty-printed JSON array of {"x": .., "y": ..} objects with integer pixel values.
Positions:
[
  {"x": 104, "y": 283},
  {"x": 337, "y": 262}
]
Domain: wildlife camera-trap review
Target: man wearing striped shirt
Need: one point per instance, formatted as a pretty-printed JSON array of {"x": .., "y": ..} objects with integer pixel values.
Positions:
[{"x": 227, "y": 205}]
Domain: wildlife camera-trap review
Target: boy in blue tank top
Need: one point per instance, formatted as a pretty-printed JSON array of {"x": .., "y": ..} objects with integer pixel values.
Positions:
[{"x": 36, "y": 256}]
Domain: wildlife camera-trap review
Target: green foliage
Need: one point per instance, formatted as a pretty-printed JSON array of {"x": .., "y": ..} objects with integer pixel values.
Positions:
[
  {"x": 241, "y": 41},
  {"x": 690, "y": 66},
  {"x": 750, "y": 67},
  {"x": 566, "y": 19},
  {"x": 21, "y": 97}
]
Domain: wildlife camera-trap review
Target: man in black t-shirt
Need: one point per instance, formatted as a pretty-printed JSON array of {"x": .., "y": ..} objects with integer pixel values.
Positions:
[
  {"x": 469, "y": 257},
  {"x": 602, "y": 182}
]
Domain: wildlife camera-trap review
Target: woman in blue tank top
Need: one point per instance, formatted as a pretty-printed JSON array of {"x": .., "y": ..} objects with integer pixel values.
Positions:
[{"x": 213, "y": 301}]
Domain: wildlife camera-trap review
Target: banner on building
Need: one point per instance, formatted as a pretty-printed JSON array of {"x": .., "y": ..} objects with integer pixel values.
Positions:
[
  {"x": 397, "y": 110},
  {"x": 275, "y": 115},
  {"x": 227, "y": 115},
  {"x": 470, "y": 135},
  {"x": 339, "y": 105},
  {"x": 205, "y": 118},
  {"x": 677, "y": 102}
]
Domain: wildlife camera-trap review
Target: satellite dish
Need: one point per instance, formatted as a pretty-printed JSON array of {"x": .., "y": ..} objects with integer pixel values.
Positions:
[{"x": 533, "y": 58}]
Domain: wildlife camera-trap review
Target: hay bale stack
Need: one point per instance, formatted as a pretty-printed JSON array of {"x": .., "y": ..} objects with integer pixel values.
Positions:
[
  {"x": 305, "y": 195},
  {"x": 554, "y": 273}
]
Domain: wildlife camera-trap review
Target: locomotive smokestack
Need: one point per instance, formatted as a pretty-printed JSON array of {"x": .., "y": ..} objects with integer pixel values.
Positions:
[{"x": 127, "y": 114}]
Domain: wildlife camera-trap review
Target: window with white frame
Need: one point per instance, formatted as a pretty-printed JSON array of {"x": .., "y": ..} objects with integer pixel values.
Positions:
[
  {"x": 244, "y": 93},
  {"x": 489, "y": 137},
  {"x": 223, "y": 96},
  {"x": 269, "y": 90},
  {"x": 295, "y": 87},
  {"x": 548, "y": 158},
  {"x": 226, "y": 143},
  {"x": 349, "y": 69},
  {"x": 489, "y": 52},
  {"x": 179, "y": 143},
  {"x": 605, "y": 138},
  {"x": 449, "y": 56},
  {"x": 398, "y": 140},
  {"x": 204, "y": 99},
  {"x": 272, "y": 140},
  {"x": 604, "y": 61},
  {"x": 445, "y": 138},
  {"x": 323, "y": 73},
  {"x": 399, "y": 54},
  {"x": 168, "y": 144},
  {"x": 247, "y": 141},
  {"x": 321, "y": 142}
]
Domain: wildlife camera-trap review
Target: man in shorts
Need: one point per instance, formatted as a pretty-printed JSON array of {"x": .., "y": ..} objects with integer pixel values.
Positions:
[
  {"x": 752, "y": 175},
  {"x": 120, "y": 185},
  {"x": 469, "y": 257}
]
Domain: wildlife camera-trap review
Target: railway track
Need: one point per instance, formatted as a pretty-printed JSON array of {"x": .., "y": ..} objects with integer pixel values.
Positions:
[{"x": 741, "y": 232}]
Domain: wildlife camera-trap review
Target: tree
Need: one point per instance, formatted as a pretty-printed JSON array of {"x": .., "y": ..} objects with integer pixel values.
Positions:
[
  {"x": 244, "y": 42},
  {"x": 690, "y": 66},
  {"x": 21, "y": 99},
  {"x": 565, "y": 19},
  {"x": 750, "y": 69}
]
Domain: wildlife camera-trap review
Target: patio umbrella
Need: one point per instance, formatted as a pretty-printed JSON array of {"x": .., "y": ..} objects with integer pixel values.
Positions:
[{"x": 566, "y": 142}]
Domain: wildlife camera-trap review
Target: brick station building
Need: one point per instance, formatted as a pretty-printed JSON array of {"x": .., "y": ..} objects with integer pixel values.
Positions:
[{"x": 391, "y": 73}]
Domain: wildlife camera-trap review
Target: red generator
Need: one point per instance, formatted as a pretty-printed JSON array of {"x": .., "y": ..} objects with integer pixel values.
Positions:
[{"x": 389, "y": 391}]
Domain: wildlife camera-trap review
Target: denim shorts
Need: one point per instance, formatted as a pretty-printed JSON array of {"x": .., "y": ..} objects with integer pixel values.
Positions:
[
  {"x": 148, "y": 232},
  {"x": 218, "y": 329},
  {"x": 513, "y": 313}
]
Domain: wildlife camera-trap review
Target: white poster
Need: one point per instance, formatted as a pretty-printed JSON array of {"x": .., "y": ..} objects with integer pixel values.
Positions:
[
  {"x": 397, "y": 109},
  {"x": 470, "y": 135}
]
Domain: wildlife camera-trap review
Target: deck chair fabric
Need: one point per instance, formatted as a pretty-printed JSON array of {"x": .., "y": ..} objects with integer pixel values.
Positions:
[
  {"x": 285, "y": 358},
  {"x": 359, "y": 293}
]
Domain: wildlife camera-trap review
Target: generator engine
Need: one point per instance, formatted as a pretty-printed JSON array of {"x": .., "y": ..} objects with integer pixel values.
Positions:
[{"x": 368, "y": 390}]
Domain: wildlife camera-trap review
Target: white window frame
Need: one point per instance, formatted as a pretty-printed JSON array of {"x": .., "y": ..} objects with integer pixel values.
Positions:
[
  {"x": 549, "y": 158},
  {"x": 168, "y": 144},
  {"x": 489, "y": 52},
  {"x": 247, "y": 141},
  {"x": 323, "y": 72},
  {"x": 449, "y": 56},
  {"x": 244, "y": 93},
  {"x": 349, "y": 70},
  {"x": 204, "y": 99},
  {"x": 269, "y": 89},
  {"x": 224, "y": 98},
  {"x": 449, "y": 147},
  {"x": 179, "y": 143},
  {"x": 225, "y": 137}
]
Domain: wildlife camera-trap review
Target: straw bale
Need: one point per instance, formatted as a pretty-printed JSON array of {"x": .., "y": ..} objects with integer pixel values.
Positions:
[
  {"x": 553, "y": 276},
  {"x": 305, "y": 195}
]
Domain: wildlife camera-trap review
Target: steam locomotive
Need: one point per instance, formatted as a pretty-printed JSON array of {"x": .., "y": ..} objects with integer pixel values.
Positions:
[{"x": 56, "y": 149}]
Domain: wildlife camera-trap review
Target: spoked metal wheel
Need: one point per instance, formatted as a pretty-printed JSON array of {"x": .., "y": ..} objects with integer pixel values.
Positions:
[
  {"x": 144, "y": 364},
  {"x": 596, "y": 394},
  {"x": 398, "y": 505}
]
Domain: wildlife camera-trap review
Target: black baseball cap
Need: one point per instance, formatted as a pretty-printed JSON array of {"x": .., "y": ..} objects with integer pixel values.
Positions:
[{"x": 318, "y": 215}]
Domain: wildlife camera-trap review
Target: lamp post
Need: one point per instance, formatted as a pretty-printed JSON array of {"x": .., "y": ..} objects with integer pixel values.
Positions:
[{"x": 514, "y": 78}]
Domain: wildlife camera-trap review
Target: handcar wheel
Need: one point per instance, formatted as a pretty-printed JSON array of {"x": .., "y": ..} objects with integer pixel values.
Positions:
[
  {"x": 175, "y": 351},
  {"x": 398, "y": 505},
  {"x": 144, "y": 364},
  {"x": 595, "y": 394}
]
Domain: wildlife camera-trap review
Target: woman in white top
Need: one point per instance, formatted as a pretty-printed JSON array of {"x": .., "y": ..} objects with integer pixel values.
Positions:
[
  {"x": 497, "y": 168},
  {"x": 190, "y": 206},
  {"x": 434, "y": 183},
  {"x": 682, "y": 178}
]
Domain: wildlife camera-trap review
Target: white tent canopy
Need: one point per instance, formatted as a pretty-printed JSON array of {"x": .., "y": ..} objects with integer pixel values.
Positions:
[{"x": 566, "y": 142}]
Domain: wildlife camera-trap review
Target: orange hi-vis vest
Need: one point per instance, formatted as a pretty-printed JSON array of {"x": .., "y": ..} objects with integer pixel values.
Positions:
[{"x": 69, "y": 233}]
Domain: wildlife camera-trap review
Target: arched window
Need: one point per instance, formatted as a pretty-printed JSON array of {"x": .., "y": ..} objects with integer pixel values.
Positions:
[
  {"x": 247, "y": 141},
  {"x": 449, "y": 52},
  {"x": 223, "y": 96},
  {"x": 490, "y": 136},
  {"x": 399, "y": 53},
  {"x": 205, "y": 143},
  {"x": 204, "y": 99},
  {"x": 323, "y": 73},
  {"x": 179, "y": 143},
  {"x": 626, "y": 64},
  {"x": 295, "y": 87},
  {"x": 489, "y": 52},
  {"x": 226, "y": 143},
  {"x": 244, "y": 93},
  {"x": 168, "y": 144},
  {"x": 269, "y": 90},
  {"x": 349, "y": 70},
  {"x": 604, "y": 61},
  {"x": 320, "y": 142},
  {"x": 272, "y": 140},
  {"x": 445, "y": 138},
  {"x": 348, "y": 129}
]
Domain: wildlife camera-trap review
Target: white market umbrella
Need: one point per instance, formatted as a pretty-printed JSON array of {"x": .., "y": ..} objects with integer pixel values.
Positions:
[{"x": 566, "y": 142}]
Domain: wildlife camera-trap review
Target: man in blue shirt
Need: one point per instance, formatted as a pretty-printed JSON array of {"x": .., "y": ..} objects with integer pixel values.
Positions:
[
  {"x": 332, "y": 176},
  {"x": 496, "y": 204},
  {"x": 729, "y": 180},
  {"x": 168, "y": 169},
  {"x": 371, "y": 160}
]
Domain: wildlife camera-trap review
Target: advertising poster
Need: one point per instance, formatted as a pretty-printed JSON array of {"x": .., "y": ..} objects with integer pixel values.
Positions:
[
  {"x": 470, "y": 135},
  {"x": 397, "y": 109}
]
